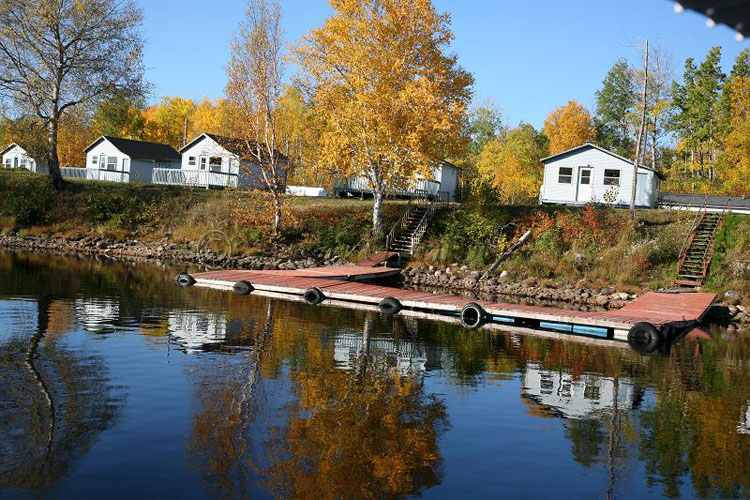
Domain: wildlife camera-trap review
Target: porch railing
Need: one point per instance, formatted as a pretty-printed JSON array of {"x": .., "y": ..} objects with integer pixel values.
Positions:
[
  {"x": 194, "y": 178},
  {"x": 418, "y": 188},
  {"x": 93, "y": 174}
]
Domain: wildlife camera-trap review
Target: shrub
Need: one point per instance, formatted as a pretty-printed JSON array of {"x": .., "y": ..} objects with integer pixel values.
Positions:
[{"x": 30, "y": 202}]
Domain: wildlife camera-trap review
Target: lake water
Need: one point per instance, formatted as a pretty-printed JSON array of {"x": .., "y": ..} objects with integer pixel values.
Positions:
[{"x": 116, "y": 383}]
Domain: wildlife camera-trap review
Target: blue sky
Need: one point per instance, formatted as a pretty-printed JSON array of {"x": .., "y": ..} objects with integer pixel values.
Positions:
[{"x": 526, "y": 57}]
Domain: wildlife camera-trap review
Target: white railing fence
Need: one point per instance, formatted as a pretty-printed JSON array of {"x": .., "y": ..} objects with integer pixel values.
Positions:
[
  {"x": 93, "y": 174},
  {"x": 418, "y": 187},
  {"x": 193, "y": 178}
]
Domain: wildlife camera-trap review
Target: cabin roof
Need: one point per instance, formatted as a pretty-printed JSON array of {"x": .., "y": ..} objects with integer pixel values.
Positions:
[
  {"x": 9, "y": 147},
  {"x": 235, "y": 146},
  {"x": 36, "y": 157},
  {"x": 139, "y": 150},
  {"x": 589, "y": 145}
]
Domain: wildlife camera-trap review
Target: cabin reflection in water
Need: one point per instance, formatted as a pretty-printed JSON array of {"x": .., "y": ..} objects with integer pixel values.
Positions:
[
  {"x": 559, "y": 393},
  {"x": 97, "y": 315},
  {"x": 198, "y": 331},
  {"x": 399, "y": 348}
]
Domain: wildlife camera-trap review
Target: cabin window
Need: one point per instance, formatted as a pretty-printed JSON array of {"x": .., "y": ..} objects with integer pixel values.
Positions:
[
  {"x": 111, "y": 163},
  {"x": 125, "y": 165},
  {"x": 102, "y": 161},
  {"x": 94, "y": 160},
  {"x": 203, "y": 162},
  {"x": 191, "y": 161},
  {"x": 23, "y": 162},
  {"x": 586, "y": 176},
  {"x": 611, "y": 177},
  {"x": 566, "y": 175},
  {"x": 215, "y": 163},
  {"x": 7, "y": 162}
]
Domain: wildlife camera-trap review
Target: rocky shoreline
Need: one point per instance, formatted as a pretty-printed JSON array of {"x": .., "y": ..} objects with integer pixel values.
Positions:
[
  {"x": 453, "y": 279},
  {"x": 163, "y": 252}
]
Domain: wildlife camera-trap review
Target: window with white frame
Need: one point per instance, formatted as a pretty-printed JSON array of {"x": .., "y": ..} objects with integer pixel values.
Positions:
[
  {"x": 102, "y": 161},
  {"x": 191, "y": 161},
  {"x": 566, "y": 175},
  {"x": 611, "y": 177},
  {"x": 111, "y": 163},
  {"x": 23, "y": 162},
  {"x": 94, "y": 160},
  {"x": 204, "y": 162},
  {"x": 125, "y": 165},
  {"x": 7, "y": 163},
  {"x": 585, "y": 176}
]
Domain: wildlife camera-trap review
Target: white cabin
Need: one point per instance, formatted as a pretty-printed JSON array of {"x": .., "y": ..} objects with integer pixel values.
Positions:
[
  {"x": 218, "y": 161},
  {"x": 126, "y": 160},
  {"x": 591, "y": 174},
  {"x": 15, "y": 156},
  {"x": 443, "y": 180}
]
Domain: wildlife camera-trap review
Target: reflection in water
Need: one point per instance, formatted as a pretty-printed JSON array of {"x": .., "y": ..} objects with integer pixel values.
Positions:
[
  {"x": 97, "y": 315},
  {"x": 197, "y": 331},
  {"x": 585, "y": 396},
  {"x": 369, "y": 432},
  {"x": 264, "y": 397},
  {"x": 53, "y": 402}
]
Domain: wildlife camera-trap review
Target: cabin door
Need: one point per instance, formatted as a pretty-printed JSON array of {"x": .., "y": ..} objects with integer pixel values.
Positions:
[{"x": 583, "y": 191}]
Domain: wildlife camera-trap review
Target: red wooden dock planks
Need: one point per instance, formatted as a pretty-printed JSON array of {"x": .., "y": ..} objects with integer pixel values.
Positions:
[
  {"x": 656, "y": 308},
  {"x": 345, "y": 273}
]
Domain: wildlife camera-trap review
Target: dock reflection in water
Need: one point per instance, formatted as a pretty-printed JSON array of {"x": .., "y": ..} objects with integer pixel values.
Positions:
[{"x": 109, "y": 368}]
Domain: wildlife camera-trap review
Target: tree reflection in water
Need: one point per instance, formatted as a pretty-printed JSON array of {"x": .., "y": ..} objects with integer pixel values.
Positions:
[
  {"x": 370, "y": 431},
  {"x": 55, "y": 402}
]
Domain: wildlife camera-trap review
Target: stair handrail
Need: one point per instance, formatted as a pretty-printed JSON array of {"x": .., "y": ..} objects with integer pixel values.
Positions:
[
  {"x": 421, "y": 228},
  {"x": 399, "y": 224}
]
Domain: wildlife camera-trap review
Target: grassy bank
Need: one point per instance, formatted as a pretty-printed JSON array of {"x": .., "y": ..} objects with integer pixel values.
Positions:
[
  {"x": 29, "y": 206},
  {"x": 588, "y": 246}
]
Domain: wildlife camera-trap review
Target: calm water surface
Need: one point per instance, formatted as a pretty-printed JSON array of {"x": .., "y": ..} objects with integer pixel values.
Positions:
[{"x": 116, "y": 383}]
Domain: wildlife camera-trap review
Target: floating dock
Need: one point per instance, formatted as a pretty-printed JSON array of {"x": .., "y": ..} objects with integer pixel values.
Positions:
[{"x": 651, "y": 319}]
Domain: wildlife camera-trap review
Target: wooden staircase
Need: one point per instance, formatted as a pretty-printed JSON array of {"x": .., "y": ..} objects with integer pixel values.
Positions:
[
  {"x": 407, "y": 233},
  {"x": 696, "y": 255}
]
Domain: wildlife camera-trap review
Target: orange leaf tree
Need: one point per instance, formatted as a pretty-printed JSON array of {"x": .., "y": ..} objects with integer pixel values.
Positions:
[{"x": 568, "y": 126}]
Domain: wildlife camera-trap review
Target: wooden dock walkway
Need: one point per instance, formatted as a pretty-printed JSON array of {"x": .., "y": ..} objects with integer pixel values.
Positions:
[{"x": 648, "y": 321}]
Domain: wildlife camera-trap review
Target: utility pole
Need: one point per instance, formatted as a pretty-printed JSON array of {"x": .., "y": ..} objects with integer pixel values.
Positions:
[
  {"x": 641, "y": 130},
  {"x": 185, "y": 131}
]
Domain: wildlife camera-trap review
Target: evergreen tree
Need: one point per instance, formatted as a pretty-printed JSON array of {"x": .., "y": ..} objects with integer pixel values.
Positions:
[
  {"x": 697, "y": 119},
  {"x": 615, "y": 102}
]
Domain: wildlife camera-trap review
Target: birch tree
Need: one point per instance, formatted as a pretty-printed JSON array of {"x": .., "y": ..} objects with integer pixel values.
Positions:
[
  {"x": 254, "y": 91},
  {"x": 391, "y": 100},
  {"x": 60, "y": 54}
]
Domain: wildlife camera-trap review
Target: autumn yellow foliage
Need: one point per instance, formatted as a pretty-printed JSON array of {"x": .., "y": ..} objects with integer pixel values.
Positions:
[
  {"x": 390, "y": 99},
  {"x": 737, "y": 143},
  {"x": 512, "y": 163},
  {"x": 569, "y": 126}
]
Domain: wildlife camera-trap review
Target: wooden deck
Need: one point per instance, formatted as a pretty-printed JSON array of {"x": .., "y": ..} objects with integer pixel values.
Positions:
[{"x": 342, "y": 284}]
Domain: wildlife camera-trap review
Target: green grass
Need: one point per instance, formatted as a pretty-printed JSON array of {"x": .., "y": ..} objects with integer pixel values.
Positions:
[{"x": 29, "y": 206}]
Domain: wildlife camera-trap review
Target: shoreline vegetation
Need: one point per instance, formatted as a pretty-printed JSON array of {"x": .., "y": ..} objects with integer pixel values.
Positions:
[{"x": 589, "y": 257}]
